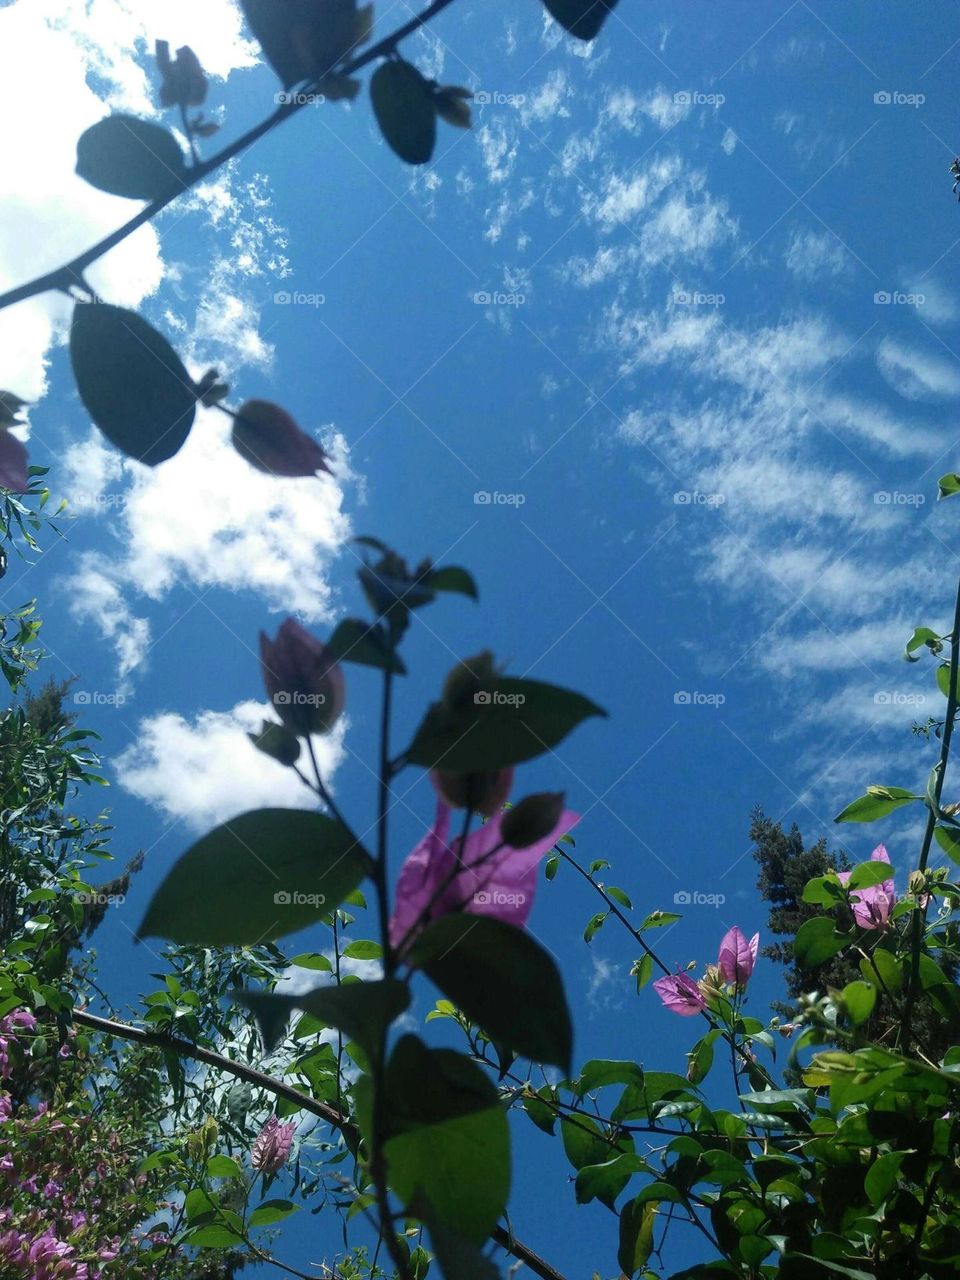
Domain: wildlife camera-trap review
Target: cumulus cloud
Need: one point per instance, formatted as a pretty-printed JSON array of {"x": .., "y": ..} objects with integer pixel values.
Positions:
[{"x": 202, "y": 769}]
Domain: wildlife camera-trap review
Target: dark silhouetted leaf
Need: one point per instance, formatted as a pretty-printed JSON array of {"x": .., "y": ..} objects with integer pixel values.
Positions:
[
  {"x": 131, "y": 381},
  {"x": 255, "y": 878},
  {"x": 503, "y": 981},
  {"x": 582, "y": 18},
  {"x": 405, "y": 111},
  {"x": 131, "y": 157}
]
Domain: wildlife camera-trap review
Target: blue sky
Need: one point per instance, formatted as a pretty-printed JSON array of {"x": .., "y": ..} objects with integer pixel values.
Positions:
[{"x": 713, "y": 366}]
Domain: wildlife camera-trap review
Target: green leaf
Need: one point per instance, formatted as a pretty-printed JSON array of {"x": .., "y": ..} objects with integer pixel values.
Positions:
[
  {"x": 603, "y": 1071},
  {"x": 859, "y": 999},
  {"x": 884, "y": 968},
  {"x": 312, "y": 960},
  {"x": 877, "y": 803},
  {"x": 943, "y": 679},
  {"x": 361, "y": 1010},
  {"x": 255, "y": 878},
  {"x": 582, "y": 18},
  {"x": 543, "y": 1117},
  {"x": 453, "y": 578},
  {"x": 922, "y": 637},
  {"x": 131, "y": 157},
  {"x": 458, "y": 1259},
  {"x": 214, "y": 1237},
  {"x": 643, "y": 970},
  {"x": 867, "y": 874},
  {"x": 949, "y": 841},
  {"x": 636, "y": 1235},
  {"x": 366, "y": 644},
  {"x": 305, "y": 39},
  {"x": 949, "y": 485},
  {"x": 403, "y": 105},
  {"x": 882, "y": 1175},
  {"x": 512, "y": 721},
  {"x": 583, "y": 1141},
  {"x": 363, "y": 949},
  {"x": 659, "y": 920},
  {"x": 619, "y": 896},
  {"x": 448, "y": 1138},
  {"x": 131, "y": 381},
  {"x": 817, "y": 940},
  {"x": 270, "y": 1211},
  {"x": 223, "y": 1167},
  {"x": 502, "y": 980},
  {"x": 824, "y": 891},
  {"x": 604, "y": 1182}
]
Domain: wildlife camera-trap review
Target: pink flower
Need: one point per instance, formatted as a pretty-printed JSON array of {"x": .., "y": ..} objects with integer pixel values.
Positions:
[
  {"x": 680, "y": 994},
  {"x": 737, "y": 957},
  {"x": 304, "y": 683},
  {"x": 872, "y": 906},
  {"x": 19, "y": 1018},
  {"x": 13, "y": 463},
  {"x": 272, "y": 1146},
  {"x": 486, "y": 878},
  {"x": 269, "y": 439}
]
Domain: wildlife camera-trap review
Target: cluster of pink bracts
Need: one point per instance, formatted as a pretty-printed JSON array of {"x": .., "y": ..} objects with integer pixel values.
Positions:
[{"x": 679, "y": 992}]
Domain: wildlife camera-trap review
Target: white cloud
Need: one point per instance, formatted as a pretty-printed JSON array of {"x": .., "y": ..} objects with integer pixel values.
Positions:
[
  {"x": 57, "y": 38},
  {"x": 812, "y": 255},
  {"x": 204, "y": 770},
  {"x": 918, "y": 375}
]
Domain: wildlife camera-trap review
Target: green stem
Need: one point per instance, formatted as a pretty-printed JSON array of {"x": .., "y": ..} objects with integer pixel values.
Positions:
[{"x": 919, "y": 919}]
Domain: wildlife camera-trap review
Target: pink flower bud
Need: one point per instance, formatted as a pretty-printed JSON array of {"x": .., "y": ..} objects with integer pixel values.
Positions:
[
  {"x": 13, "y": 463},
  {"x": 302, "y": 680},
  {"x": 271, "y": 1149},
  {"x": 484, "y": 793},
  {"x": 737, "y": 957},
  {"x": 269, "y": 439}
]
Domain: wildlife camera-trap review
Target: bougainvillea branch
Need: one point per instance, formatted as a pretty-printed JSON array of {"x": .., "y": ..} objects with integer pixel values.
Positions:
[{"x": 70, "y": 275}]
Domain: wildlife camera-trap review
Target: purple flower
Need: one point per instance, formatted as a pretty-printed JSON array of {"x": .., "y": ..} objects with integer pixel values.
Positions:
[
  {"x": 269, "y": 439},
  {"x": 872, "y": 906},
  {"x": 485, "y": 878},
  {"x": 680, "y": 994},
  {"x": 737, "y": 957},
  {"x": 302, "y": 679},
  {"x": 13, "y": 463},
  {"x": 271, "y": 1148}
]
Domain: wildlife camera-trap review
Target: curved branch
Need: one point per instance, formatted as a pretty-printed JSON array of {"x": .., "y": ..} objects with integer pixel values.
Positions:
[
  {"x": 158, "y": 1040},
  {"x": 71, "y": 273}
]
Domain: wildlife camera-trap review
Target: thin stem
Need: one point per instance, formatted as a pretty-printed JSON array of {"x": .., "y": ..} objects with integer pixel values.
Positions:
[
  {"x": 638, "y": 937},
  {"x": 71, "y": 273},
  {"x": 280, "y": 1089},
  {"x": 919, "y": 919}
]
